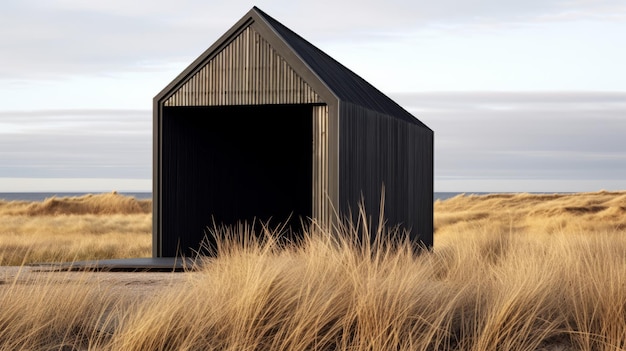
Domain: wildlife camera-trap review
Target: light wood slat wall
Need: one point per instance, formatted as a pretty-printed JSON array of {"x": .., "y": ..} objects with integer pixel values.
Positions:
[
  {"x": 245, "y": 72},
  {"x": 322, "y": 205}
]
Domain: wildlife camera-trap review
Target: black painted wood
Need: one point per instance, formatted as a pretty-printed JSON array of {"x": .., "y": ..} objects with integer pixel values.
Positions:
[
  {"x": 230, "y": 164},
  {"x": 203, "y": 173},
  {"x": 380, "y": 155}
]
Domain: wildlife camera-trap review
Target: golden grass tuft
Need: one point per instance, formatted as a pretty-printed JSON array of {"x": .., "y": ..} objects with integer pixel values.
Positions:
[
  {"x": 96, "y": 204},
  {"x": 57, "y": 314},
  {"x": 550, "y": 213},
  {"x": 88, "y": 227},
  {"x": 497, "y": 282},
  {"x": 334, "y": 294}
]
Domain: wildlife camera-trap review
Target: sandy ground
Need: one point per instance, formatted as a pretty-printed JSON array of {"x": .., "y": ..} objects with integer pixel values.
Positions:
[
  {"x": 135, "y": 283},
  {"x": 129, "y": 286}
]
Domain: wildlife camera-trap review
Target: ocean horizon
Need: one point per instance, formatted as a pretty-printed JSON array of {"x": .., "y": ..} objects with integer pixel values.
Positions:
[{"x": 41, "y": 196}]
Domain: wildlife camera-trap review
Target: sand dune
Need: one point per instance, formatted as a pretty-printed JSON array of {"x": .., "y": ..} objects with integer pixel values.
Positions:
[
  {"x": 515, "y": 272},
  {"x": 539, "y": 213},
  {"x": 99, "y": 204}
]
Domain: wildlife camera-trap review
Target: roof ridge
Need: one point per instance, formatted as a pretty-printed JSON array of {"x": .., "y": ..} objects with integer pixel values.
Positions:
[{"x": 335, "y": 78}]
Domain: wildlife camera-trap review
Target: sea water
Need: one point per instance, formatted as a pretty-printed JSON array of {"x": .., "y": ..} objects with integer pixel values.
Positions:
[
  {"x": 26, "y": 196},
  {"x": 42, "y": 196}
]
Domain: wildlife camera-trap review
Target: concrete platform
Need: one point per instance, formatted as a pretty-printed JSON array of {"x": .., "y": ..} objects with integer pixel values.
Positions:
[{"x": 151, "y": 264}]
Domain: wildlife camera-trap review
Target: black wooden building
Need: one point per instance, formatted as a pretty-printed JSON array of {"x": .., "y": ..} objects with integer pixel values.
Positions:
[{"x": 264, "y": 125}]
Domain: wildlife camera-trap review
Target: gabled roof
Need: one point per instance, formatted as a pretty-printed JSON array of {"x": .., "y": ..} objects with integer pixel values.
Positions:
[
  {"x": 344, "y": 83},
  {"x": 340, "y": 81}
]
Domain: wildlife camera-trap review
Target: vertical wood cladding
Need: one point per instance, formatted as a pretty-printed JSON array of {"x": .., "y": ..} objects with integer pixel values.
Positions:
[
  {"x": 245, "y": 72},
  {"x": 322, "y": 140},
  {"x": 376, "y": 151},
  {"x": 321, "y": 189}
]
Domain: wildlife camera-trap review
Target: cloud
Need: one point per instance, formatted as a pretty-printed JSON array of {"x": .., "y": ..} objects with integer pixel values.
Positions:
[
  {"x": 60, "y": 185},
  {"x": 52, "y": 43},
  {"x": 52, "y": 39},
  {"x": 76, "y": 122},
  {"x": 75, "y": 144},
  {"x": 73, "y": 53},
  {"x": 576, "y": 136},
  {"x": 484, "y": 139}
]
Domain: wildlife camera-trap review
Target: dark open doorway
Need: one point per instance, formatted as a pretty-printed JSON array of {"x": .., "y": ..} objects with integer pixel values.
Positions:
[{"x": 225, "y": 164}]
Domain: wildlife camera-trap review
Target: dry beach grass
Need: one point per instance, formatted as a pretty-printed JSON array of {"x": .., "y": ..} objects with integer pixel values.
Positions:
[
  {"x": 73, "y": 229},
  {"x": 508, "y": 272}
]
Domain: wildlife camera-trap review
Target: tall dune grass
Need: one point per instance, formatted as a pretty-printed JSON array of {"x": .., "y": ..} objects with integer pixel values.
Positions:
[
  {"x": 51, "y": 312},
  {"x": 506, "y": 283},
  {"x": 74, "y": 228},
  {"x": 97, "y": 204},
  {"x": 550, "y": 213},
  {"x": 518, "y": 292}
]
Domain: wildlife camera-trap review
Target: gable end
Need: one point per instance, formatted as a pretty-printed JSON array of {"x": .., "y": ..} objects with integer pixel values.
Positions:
[{"x": 247, "y": 71}]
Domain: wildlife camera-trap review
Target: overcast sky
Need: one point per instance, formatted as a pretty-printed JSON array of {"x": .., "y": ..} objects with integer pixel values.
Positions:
[{"x": 522, "y": 95}]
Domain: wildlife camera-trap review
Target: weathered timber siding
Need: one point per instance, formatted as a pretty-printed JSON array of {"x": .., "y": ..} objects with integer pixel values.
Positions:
[
  {"x": 324, "y": 140},
  {"x": 376, "y": 151},
  {"x": 323, "y": 168},
  {"x": 248, "y": 71}
]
